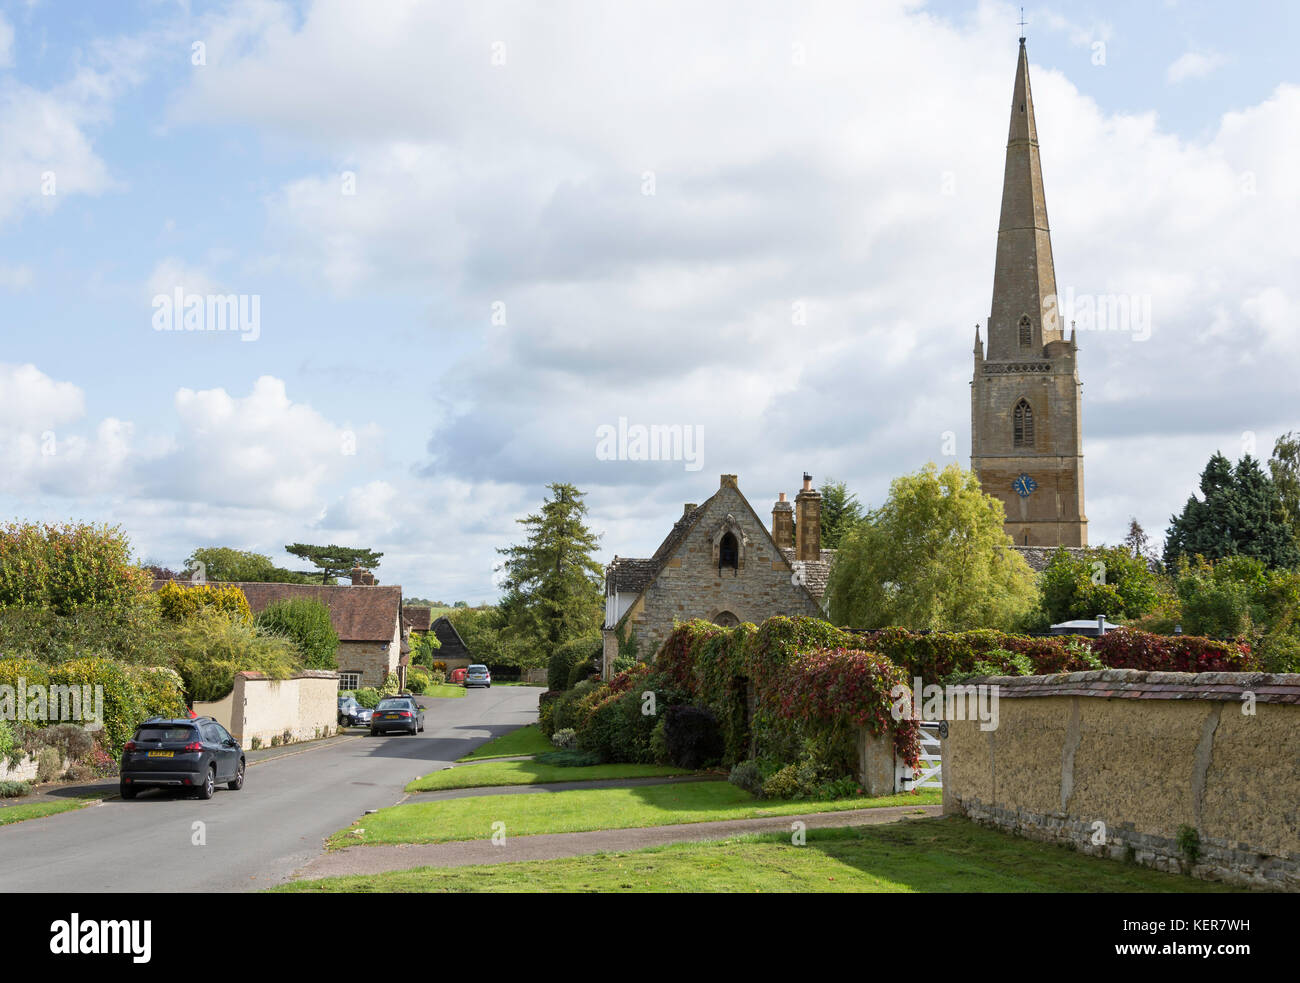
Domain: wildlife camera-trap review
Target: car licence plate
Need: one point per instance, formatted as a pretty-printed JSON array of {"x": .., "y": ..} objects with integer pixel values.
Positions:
[{"x": 161, "y": 754}]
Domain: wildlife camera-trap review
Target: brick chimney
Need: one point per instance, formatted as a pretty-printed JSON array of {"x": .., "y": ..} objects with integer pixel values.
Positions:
[
  {"x": 808, "y": 521},
  {"x": 783, "y": 523},
  {"x": 361, "y": 577}
]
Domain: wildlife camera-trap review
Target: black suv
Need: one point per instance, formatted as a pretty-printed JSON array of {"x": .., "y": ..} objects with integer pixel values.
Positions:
[{"x": 187, "y": 754}]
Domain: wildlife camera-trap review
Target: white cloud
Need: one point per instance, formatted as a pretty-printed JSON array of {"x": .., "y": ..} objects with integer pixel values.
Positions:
[{"x": 1193, "y": 65}]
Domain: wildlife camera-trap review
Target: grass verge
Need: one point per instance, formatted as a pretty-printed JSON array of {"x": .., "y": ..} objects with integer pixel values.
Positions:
[
  {"x": 582, "y": 810},
  {"x": 35, "y": 810},
  {"x": 444, "y": 691},
  {"x": 525, "y": 740},
  {"x": 532, "y": 773},
  {"x": 926, "y": 855}
]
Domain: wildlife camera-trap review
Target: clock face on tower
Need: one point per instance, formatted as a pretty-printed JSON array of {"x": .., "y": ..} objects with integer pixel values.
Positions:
[{"x": 1024, "y": 485}]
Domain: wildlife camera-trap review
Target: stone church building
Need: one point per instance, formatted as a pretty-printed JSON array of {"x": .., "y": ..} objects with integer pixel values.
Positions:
[
  {"x": 721, "y": 563},
  {"x": 1026, "y": 434}
]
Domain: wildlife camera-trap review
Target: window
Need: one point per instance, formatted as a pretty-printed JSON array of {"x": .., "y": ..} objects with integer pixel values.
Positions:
[
  {"x": 1026, "y": 331},
  {"x": 349, "y": 680},
  {"x": 726, "y": 620},
  {"x": 1023, "y": 424},
  {"x": 728, "y": 552}
]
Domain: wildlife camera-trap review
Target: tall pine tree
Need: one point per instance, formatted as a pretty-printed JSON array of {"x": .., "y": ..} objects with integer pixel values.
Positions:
[
  {"x": 1240, "y": 514},
  {"x": 554, "y": 587},
  {"x": 840, "y": 513}
]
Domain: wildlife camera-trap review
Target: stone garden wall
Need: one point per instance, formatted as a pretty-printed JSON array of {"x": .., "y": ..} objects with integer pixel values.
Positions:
[{"x": 1177, "y": 771}]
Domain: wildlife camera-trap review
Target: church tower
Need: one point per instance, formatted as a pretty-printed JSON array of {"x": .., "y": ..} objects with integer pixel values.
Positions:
[{"x": 1026, "y": 436}]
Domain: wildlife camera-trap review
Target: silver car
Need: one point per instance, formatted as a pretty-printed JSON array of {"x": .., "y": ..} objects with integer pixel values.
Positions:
[{"x": 478, "y": 676}]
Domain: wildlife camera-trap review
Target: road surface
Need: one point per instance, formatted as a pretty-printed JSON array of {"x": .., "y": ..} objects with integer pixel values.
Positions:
[{"x": 259, "y": 836}]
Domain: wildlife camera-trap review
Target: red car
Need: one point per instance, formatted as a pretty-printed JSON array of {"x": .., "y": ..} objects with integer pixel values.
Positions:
[{"x": 457, "y": 676}]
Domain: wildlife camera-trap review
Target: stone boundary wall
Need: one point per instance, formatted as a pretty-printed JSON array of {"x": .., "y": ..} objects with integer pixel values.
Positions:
[
  {"x": 305, "y": 705},
  {"x": 1146, "y": 754}
]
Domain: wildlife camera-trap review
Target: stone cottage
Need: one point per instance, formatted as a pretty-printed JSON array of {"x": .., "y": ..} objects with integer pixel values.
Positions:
[
  {"x": 720, "y": 563},
  {"x": 367, "y": 618}
]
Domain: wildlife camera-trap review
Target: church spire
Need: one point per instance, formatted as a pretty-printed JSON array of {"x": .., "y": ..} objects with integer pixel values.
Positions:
[{"x": 1024, "y": 280}]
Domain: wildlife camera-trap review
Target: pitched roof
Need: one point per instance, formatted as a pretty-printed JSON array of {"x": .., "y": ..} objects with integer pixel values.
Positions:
[
  {"x": 452, "y": 646},
  {"x": 1038, "y": 557},
  {"x": 416, "y": 618},
  {"x": 816, "y": 572},
  {"x": 629, "y": 575},
  {"x": 358, "y": 614}
]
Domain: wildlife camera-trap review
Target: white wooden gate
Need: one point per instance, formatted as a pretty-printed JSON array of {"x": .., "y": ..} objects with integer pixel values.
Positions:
[{"x": 930, "y": 774}]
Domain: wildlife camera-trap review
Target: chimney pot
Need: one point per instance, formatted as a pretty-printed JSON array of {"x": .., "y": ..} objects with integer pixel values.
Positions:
[{"x": 808, "y": 522}]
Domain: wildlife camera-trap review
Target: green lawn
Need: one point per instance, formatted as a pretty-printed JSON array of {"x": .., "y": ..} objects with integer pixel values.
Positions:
[
  {"x": 444, "y": 691},
  {"x": 582, "y": 810},
  {"x": 532, "y": 773},
  {"x": 35, "y": 810},
  {"x": 525, "y": 740},
  {"x": 926, "y": 855}
]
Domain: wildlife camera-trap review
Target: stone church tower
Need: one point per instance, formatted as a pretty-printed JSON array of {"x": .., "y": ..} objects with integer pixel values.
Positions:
[{"x": 1026, "y": 436}]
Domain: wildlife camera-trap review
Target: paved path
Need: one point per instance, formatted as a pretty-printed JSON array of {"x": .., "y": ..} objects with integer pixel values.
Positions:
[
  {"x": 256, "y": 837},
  {"x": 549, "y": 846}
]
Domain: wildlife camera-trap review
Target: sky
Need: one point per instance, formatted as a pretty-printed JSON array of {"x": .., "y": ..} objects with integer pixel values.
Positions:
[{"x": 470, "y": 239}]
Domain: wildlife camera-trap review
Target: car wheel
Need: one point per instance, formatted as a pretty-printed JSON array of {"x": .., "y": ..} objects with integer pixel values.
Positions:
[
  {"x": 127, "y": 791},
  {"x": 373, "y": 732},
  {"x": 209, "y": 785},
  {"x": 238, "y": 782}
]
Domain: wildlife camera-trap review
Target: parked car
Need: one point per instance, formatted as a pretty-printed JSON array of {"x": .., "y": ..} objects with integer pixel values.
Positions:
[
  {"x": 399, "y": 713},
  {"x": 352, "y": 713},
  {"x": 457, "y": 676},
  {"x": 182, "y": 753},
  {"x": 478, "y": 676}
]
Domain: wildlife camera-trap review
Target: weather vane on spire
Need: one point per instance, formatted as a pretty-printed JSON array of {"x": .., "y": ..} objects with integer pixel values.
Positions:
[{"x": 1022, "y": 23}]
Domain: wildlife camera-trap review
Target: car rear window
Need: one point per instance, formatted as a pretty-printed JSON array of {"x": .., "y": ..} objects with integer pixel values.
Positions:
[
  {"x": 166, "y": 734},
  {"x": 394, "y": 705}
]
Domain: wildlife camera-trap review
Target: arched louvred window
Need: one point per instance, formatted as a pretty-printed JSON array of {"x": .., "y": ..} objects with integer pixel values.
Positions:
[
  {"x": 728, "y": 553},
  {"x": 1026, "y": 331},
  {"x": 1023, "y": 424}
]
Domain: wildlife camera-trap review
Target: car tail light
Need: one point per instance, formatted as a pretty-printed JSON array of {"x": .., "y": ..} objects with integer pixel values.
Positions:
[
  {"x": 129, "y": 746},
  {"x": 406, "y": 713},
  {"x": 194, "y": 746}
]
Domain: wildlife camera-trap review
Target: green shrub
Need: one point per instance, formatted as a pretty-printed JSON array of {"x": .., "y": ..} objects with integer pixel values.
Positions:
[
  {"x": 68, "y": 568},
  {"x": 305, "y": 622},
  {"x": 210, "y": 647},
  {"x": 692, "y": 736},
  {"x": 417, "y": 680},
  {"x": 564, "y": 738},
  {"x": 438, "y": 678},
  {"x": 796, "y": 781},
  {"x": 746, "y": 775},
  {"x": 7, "y": 742},
  {"x": 392, "y": 685},
  {"x": 368, "y": 697},
  {"x": 71, "y": 741},
  {"x": 48, "y": 764},
  {"x": 658, "y": 746},
  {"x": 12, "y": 789}
]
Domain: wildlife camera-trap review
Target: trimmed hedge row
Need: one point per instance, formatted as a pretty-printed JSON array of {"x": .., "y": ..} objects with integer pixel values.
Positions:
[{"x": 131, "y": 693}]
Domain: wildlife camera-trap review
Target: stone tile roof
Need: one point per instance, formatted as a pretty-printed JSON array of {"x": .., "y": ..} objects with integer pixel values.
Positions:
[
  {"x": 816, "y": 573},
  {"x": 678, "y": 532},
  {"x": 452, "y": 645},
  {"x": 1134, "y": 684},
  {"x": 1038, "y": 557},
  {"x": 358, "y": 614},
  {"x": 629, "y": 575}
]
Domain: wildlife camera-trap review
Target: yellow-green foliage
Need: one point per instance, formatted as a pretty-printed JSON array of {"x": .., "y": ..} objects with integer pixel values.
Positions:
[
  {"x": 211, "y": 646},
  {"x": 178, "y": 603},
  {"x": 68, "y": 568}
]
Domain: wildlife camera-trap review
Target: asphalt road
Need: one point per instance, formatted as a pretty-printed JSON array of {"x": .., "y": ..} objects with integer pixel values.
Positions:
[{"x": 259, "y": 836}]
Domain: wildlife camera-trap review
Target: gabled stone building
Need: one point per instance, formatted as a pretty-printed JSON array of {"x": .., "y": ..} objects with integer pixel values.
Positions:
[{"x": 720, "y": 563}]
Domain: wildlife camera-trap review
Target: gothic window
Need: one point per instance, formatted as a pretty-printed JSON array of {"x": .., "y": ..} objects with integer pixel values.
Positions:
[
  {"x": 1026, "y": 332},
  {"x": 1023, "y": 424},
  {"x": 728, "y": 552}
]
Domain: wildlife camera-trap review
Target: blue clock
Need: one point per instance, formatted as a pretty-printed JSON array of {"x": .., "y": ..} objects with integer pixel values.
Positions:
[{"x": 1024, "y": 485}]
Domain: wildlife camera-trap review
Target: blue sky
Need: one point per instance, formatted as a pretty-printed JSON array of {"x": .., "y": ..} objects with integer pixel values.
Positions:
[{"x": 500, "y": 154}]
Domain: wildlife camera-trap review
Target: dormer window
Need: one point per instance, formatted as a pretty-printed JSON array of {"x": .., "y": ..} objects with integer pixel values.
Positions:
[{"x": 1026, "y": 331}]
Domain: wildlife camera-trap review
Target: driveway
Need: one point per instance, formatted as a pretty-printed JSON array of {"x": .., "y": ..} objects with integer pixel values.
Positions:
[{"x": 259, "y": 836}]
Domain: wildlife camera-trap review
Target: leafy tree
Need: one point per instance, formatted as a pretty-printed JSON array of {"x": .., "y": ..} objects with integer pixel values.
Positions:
[
  {"x": 424, "y": 646},
  {"x": 1137, "y": 542},
  {"x": 1284, "y": 468},
  {"x": 176, "y": 603},
  {"x": 933, "y": 556},
  {"x": 306, "y": 622},
  {"x": 841, "y": 511},
  {"x": 335, "y": 561},
  {"x": 1241, "y": 512},
  {"x": 1108, "y": 580},
  {"x": 480, "y": 629},
  {"x": 70, "y": 568},
  {"x": 553, "y": 585},
  {"x": 224, "y": 564},
  {"x": 1239, "y": 597}
]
